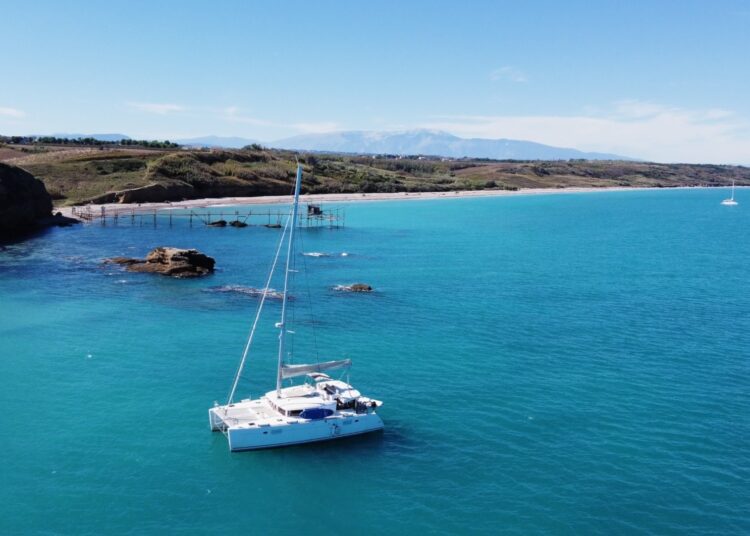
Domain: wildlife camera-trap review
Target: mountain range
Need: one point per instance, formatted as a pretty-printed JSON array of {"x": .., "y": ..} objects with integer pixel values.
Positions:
[
  {"x": 434, "y": 143},
  {"x": 409, "y": 142},
  {"x": 413, "y": 142}
]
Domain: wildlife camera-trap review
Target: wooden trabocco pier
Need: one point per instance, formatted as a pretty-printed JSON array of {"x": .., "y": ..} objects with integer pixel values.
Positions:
[{"x": 315, "y": 215}]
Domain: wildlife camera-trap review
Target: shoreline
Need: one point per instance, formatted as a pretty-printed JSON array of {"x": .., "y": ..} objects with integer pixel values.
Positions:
[{"x": 348, "y": 198}]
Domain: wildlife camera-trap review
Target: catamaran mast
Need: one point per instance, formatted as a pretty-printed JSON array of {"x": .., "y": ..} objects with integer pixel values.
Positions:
[{"x": 282, "y": 324}]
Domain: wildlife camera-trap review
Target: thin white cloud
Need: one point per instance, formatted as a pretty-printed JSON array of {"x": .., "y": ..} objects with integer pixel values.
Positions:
[
  {"x": 630, "y": 128},
  {"x": 233, "y": 114},
  {"x": 320, "y": 127},
  {"x": 156, "y": 108},
  {"x": 12, "y": 112},
  {"x": 509, "y": 73},
  {"x": 635, "y": 109}
]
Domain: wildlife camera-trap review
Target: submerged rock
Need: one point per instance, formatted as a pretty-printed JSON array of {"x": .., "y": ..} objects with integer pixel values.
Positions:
[
  {"x": 251, "y": 291},
  {"x": 173, "y": 262},
  {"x": 124, "y": 261}
]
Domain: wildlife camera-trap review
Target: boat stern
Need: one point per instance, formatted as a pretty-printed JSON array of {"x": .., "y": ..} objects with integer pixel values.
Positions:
[{"x": 215, "y": 421}]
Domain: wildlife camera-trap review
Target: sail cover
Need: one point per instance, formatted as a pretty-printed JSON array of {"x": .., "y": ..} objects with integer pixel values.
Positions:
[{"x": 292, "y": 371}]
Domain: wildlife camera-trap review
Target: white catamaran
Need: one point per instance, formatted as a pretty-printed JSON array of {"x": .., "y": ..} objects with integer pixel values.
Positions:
[
  {"x": 319, "y": 409},
  {"x": 731, "y": 202}
]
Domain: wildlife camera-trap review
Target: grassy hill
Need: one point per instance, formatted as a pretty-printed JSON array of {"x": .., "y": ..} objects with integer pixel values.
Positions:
[{"x": 77, "y": 175}]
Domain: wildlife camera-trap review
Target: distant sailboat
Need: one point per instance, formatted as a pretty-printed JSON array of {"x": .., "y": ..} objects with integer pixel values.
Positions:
[
  {"x": 730, "y": 201},
  {"x": 322, "y": 408}
]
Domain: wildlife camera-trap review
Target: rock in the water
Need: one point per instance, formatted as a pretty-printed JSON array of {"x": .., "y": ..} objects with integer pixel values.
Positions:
[
  {"x": 238, "y": 223},
  {"x": 355, "y": 287},
  {"x": 360, "y": 287},
  {"x": 124, "y": 261},
  {"x": 252, "y": 291},
  {"x": 218, "y": 223},
  {"x": 58, "y": 220},
  {"x": 169, "y": 261},
  {"x": 24, "y": 202}
]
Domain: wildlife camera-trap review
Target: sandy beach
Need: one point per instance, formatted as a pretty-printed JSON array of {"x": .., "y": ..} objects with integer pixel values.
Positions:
[{"x": 336, "y": 198}]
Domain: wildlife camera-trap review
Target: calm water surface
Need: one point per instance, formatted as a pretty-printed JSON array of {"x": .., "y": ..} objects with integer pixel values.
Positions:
[{"x": 549, "y": 364}]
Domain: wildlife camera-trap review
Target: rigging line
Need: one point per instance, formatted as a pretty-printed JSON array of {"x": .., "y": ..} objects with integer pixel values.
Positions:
[
  {"x": 289, "y": 253},
  {"x": 293, "y": 308},
  {"x": 257, "y": 315},
  {"x": 309, "y": 300},
  {"x": 289, "y": 334},
  {"x": 290, "y": 303}
]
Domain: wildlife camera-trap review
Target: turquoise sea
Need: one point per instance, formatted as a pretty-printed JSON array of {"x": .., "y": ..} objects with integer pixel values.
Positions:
[{"x": 551, "y": 364}]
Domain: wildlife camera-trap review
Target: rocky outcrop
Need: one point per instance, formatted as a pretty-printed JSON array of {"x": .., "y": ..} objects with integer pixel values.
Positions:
[
  {"x": 169, "y": 261},
  {"x": 24, "y": 202},
  {"x": 58, "y": 220},
  {"x": 151, "y": 193},
  {"x": 154, "y": 193}
]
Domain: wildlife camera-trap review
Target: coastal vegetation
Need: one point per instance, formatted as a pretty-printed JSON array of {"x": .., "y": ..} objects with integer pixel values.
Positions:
[
  {"x": 43, "y": 141},
  {"x": 83, "y": 172}
]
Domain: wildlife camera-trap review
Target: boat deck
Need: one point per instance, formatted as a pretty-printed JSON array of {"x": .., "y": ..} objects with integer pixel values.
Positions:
[
  {"x": 258, "y": 413},
  {"x": 249, "y": 412},
  {"x": 289, "y": 408}
]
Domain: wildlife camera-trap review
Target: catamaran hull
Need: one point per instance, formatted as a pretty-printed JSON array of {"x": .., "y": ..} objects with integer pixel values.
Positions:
[{"x": 263, "y": 437}]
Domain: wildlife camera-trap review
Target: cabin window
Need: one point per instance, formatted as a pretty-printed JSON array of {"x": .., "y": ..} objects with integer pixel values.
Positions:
[{"x": 316, "y": 413}]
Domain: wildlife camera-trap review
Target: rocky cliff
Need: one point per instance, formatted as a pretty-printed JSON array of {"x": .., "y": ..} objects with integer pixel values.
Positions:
[{"x": 24, "y": 202}]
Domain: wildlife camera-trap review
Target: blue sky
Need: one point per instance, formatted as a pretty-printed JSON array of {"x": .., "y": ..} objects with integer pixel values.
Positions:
[{"x": 664, "y": 80}]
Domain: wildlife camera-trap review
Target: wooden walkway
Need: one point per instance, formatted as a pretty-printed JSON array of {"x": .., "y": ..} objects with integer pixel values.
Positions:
[{"x": 311, "y": 216}]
